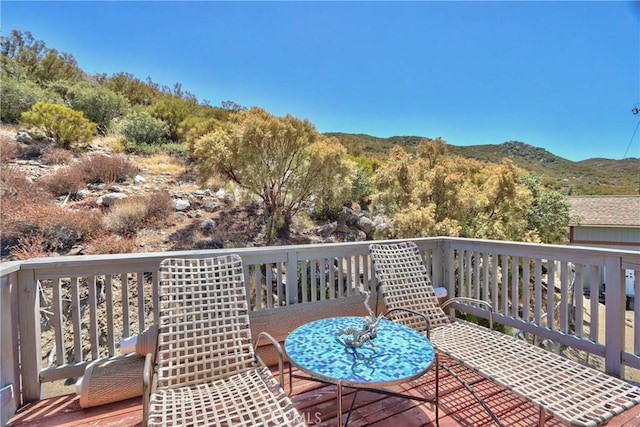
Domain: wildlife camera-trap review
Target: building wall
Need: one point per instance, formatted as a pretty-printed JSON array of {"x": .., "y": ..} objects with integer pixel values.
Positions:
[{"x": 624, "y": 238}]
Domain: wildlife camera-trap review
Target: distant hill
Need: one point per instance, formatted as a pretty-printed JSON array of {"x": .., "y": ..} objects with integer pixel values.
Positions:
[{"x": 587, "y": 177}]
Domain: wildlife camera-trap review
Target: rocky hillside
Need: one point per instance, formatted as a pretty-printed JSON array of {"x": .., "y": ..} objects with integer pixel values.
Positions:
[{"x": 199, "y": 218}]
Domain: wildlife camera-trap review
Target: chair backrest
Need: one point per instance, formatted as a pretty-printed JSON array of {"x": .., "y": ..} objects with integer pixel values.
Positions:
[
  {"x": 203, "y": 331},
  {"x": 404, "y": 282}
]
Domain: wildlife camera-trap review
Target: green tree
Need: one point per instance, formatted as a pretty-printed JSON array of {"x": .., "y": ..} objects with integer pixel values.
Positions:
[
  {"x": 66, "y": 126},
  {"x": 40, "y": 63},
  {"x": 18, "y": 96},
  {"x": 436, "y": 194},
  {"x": 24, "y": 49},
  {"x": 282, "y": 160},
  {"x": 549, "y": 214},
  {"x": 99, "y": 104},
  {"x": 173, "y": 110},
  {"x": 55, "y": 66},
  {"x": 134, "y": 89}
]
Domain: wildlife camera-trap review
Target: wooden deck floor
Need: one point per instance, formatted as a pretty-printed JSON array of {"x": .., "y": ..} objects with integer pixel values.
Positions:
[{"x": 317, "y": 403}]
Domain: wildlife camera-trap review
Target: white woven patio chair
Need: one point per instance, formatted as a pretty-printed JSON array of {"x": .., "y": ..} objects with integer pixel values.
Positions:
[
  {"x": 205, "y": 371},
  {"x": 570, "y": 391}
]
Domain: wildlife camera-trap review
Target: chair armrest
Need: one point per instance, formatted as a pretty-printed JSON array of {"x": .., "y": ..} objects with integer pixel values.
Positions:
[
  {"x": 415, "y": 313},
  {"x": 149, "y": 386},
  {"x": 473, "y": 301},
  {"x": 278, "y": 347}
]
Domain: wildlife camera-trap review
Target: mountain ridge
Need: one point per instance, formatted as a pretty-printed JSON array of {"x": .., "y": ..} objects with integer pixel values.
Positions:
[{"x": 594, "y": 176}]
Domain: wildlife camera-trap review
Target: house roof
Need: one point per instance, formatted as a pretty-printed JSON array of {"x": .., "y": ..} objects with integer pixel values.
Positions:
[{"x": 605, "y": 210}]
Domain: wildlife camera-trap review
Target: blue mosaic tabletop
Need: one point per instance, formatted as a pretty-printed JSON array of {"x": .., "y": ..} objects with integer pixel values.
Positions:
[{"x": 396, "y": 354}]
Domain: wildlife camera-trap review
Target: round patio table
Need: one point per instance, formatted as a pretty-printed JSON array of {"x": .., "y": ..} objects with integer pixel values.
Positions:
[{"x": 396, "y": 355}]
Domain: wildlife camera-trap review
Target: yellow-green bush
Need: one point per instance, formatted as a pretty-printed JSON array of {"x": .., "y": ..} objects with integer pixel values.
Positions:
[{"x": 66, "y": 126}]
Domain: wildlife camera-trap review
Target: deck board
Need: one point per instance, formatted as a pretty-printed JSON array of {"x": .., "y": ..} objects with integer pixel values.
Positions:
[{"x": 317, "y": 402}]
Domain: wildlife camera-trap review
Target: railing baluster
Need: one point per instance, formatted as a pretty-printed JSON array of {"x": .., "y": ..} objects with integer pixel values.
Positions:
[
  {"x": 594, "y": 324},
  {"x": 75, "y": 316},
  {"x": 141, "y": 308},
  {"x": 93, "y": 316},
  {"x": 564, "y": 297},
  {"x": 578, "y": 291},
  {"x": 495, "y": 293},
  {"x": 332, "y": 277},
  {"x": 476, "y": 275},
  {"x": 304, "y": 266},
  {"x": 269, "y": 284},
  {"x": 314, "y": 279},
  {"x": 58, "y": 321},
  {"x": 505, "y": 283},
  {"x": 537, "y": 287},
  {"x": 108, "y": 295},
  {"x": 124, "y": 286},
  {"x": 350, "y": 278},
  {"x": 551, "y": 293},
  {"x": 526, "y": 289},
  {"x": 515, "y": 280}
]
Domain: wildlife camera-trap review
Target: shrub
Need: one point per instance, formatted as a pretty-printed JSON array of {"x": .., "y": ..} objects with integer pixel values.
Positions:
[
  {"x": 28, "y": 247},
  {"x": 16, "y": 97},
  {"x": 9, "y": 150},
  {"x": 175, "y": 149},
  {"x": 159, "y": 206},
  {"x": 64, "y": 125},
  {"x": 141, "y": 149},
  {"x": 99, "y": 104},
  {"x": 142, "y": 128},
  {"x": 126, "y": 216},
  {"x": 64, "y": 181},
  {"x": 27, "y": 224},
  {"x": 106, "y": 169},
  {"x": 53, "y": 155},
  {"x": 110, "y": 244},
  {"x": 15, "y": 185}
]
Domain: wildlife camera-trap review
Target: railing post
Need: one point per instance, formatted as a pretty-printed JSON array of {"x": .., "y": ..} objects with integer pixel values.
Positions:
[
  {"x": 29, "y": 330},
  {"x": 292, "y": 277},
  {"x": 614, "y": 315},
  {"x": 9, "y": 361},
  {"x": 437, "y": 264},
  {"x": 449, "y": 270}
]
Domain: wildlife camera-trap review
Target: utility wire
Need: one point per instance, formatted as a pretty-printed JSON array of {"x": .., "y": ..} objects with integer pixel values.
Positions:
[{"x": 631, "y": 140}]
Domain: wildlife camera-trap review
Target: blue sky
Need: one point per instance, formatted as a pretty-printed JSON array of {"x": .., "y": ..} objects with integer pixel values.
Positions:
[{"x": 559, "y": 75}]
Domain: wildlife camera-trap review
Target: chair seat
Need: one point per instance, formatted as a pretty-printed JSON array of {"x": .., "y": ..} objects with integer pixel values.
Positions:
[
  {"x": 567, "y": 389},
  {"x": 250, "y": 398}
]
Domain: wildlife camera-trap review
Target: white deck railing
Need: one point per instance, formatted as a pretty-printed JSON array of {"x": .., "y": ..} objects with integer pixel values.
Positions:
[{"x": 57, "y": 314}]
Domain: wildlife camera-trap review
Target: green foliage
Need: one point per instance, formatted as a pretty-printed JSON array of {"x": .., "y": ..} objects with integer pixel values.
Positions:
[
  {"x": 131, "y": 87},
  {"x": 435, "y": 194},
  {"x": 173, "y": 110},
  {"x": 549, "y": 212},
  {"x": 55, "y": 66},
  {"x": 65, "y": 126},
  {"x": 141, "y": 128},
  {"x": 17, "y": 96},
  {"x": 100, "y": 105},
  {"x": 361, "y": 187},
  {"x": 282, "y": 160},
  {"x": 175, "y": 149},
  {"x": 38, "y": 62}
]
